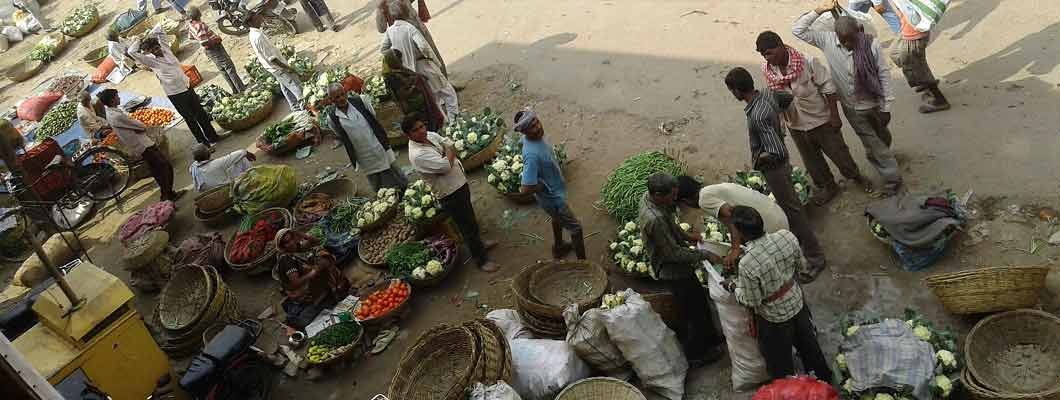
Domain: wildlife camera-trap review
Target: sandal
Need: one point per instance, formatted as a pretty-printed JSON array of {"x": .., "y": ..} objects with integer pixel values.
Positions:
[{"x": 928, "y": 108}]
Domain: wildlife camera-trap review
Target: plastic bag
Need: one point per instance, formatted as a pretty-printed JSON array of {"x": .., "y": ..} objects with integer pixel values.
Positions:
[
  {"x": 542, "y": 367},
  {"x": 59, "y": 253},
  {"x": 797, "y": 388},
  {"x": 12, "y": 34},
  {"x": 748, "y": 365},
  {"x": 497, "y": 391},
  {"x": 826, "y": 22},
  {"x": 651, "y": 347},
  {"x": 103, "y": 70},
  {"x": 264, "y": 186},
  {"x": 590, "y": 340},
  {"x": 510, "y": 322},
  {"x": 26, "y": 22},
  {"x": 34, "y": 108}
]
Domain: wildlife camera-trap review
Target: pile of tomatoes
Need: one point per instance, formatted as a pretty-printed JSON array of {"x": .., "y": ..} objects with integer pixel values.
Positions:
[{"x": 383, "y": 301}]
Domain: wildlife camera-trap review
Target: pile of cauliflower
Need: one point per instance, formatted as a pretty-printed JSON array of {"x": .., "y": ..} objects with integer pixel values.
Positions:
[
  {"x": 432, "y": 269},
  {"x": 627, "y": 250},
  {"x": 506, "y": 170},
  {"x": 372, "y": 211},
  {"x": 947, "y": 365},
  {"x": 613, "y": 300},
  {"x": 419, "y": 203},
  {"x": 472, "y": 134}
]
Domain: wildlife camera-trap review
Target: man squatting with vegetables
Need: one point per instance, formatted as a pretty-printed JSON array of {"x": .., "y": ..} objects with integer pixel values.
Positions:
[
  {"x": 674, "y": 263},
  {"x": 214, "y": 49},
  {"x": 207, "y": 174},
  {"x": 434, "y": 158},
  {"x": 543, "y": 177},
  {"x": 131, "y": 135},
  {"x": 766, "y": 282},
  {"x": 154, "y": 52},
  {"x": 352, "y": 118},
  {"x": 862, "y": 78},
  {"x": 769, "y": 155},
  {"x": 813, "y": 117},
  {"x": 273, "y": 61}
]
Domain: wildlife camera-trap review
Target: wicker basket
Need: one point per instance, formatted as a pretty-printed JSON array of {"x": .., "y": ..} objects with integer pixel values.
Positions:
[
  {"x": 251, "y": 120},
  {"x": 145, "y": 249},
  {"x": 977, "y": 391},
  {"x": 520, "y": 198},
  {"x": 214, "y": 200},
  {"x": 539, "y": 318},
  {"x": 483, "y": 156},
  {"x": 561, "y": 283},
  {"x": 437, "y": 367},
  {"x": 1016, "y": 352},
  {"x": 392, "y": 315},
  {"x": 260, "y": 264},
  {"x": 494, "y": 354},
  {"x": 345, "y": 355},
  {"x": 86, "y": 29},
  {"x": 384, "y": 219},
  {"x": 543, "y": 327},
  {"x": 435, "y": 280},
  {"x": 360, "y": 245},
  {"x": 24, "y": 70},
  {"x": 663, "y": 304},
  {"x": 338, "y": 189},
  {"x": 601, "y": 388},
  {"x": 216, "y": 220},
  {"x": 507, "y": 369},
  {"x": 185, "y": 298},
  {"x": 988, "y": 289}
]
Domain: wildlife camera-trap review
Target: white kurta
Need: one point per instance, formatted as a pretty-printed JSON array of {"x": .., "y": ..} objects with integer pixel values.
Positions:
[
  {"x": 206, "y": 175},
  {"x": 417, "y": 55},
  {"x": 267, "y": 53}
]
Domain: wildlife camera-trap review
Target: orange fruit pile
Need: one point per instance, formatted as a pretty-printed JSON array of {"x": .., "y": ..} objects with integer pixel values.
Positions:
[
  {"x": 381, "y": 302},
  {"x": 152, "y": 116}
]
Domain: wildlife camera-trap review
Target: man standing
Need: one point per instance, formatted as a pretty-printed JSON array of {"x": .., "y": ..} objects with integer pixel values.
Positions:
[
  {"x": 273, "y": 61},
  {"x": 319, "y": 14},
  {"x": 543, "y": 177},
  {"x": 814, "y": 116},
  {"x": 862, "y": 77},
  {"x": 353, "y": 120},
  {"x": 765, "y": 282},
  {"x": 154, "y": 52},
  {"x": 674, "y": 263},
  {"x": 769, "y": 156},
  {"x": 910, "y": 54},
  {"x": 214, "y": 49},
  {"x": 131, "y": 134},
  {"x": 207, "y": 174},
  {"x": 388, "y": 11},
  {"x": 417, "y": 55},
  {"x": 435, "y": 159}
]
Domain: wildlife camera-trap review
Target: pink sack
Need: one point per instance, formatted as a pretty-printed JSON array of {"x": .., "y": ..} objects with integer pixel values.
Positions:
[{"x": 153, "y": 217}]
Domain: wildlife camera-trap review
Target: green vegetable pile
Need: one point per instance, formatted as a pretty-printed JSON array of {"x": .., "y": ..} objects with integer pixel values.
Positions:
[
  {"x": 276, "y": 134},
  {"x": 340, "y": 219},
  {"x": 240, "y": 106},
  {"x": 210, "y": 95},
  {"x": 403, "y": 258},
  {"x": 45, "y": 49},
  {"x": 332, "y": 341},
  {"x": 80, "y": 18},
  {"x": 624, "y": 188},
  {"x": 259, "y": 76},
  {"x": 57, "y": 120},
  {"x": 471, "y": 133}
]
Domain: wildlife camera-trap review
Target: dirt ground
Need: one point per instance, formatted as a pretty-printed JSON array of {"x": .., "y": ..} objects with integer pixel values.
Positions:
[{"x": 605, "y": 76}]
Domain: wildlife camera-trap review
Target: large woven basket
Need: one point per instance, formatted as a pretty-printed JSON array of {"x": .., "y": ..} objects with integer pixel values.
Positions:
[
  {"x": 543, "y": 327},
  {"x": 438, "y": 366},
  {"x": 86, "y": 29},
  {"x": 435, "y": 280},
  {"x": 1016, "y": 352},
  {"x": 601, "y": 388},
  {"x": 483, "y": 156},
  {"x": 338, "y": 189},
  {"x": 214, "y": 200},
  {"x": 145, "y": 249},
  {"x": 494, "y": 355},
  {"x": 24, "y": 70},
  {"x": 561, "y": 283},
  {"x": 262, "y": 262},
  {"x": 185, "y": 298},
  {"x": 977, "y": 391},
  {"x": 251, "y": 120},
  {"x": 95, "y": 56},
  {"x": 988, "y": 289},
  {"x": 540, "y": 318}
]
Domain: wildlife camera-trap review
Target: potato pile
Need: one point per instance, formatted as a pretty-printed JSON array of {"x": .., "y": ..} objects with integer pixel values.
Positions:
[{"x": 374, "y": 245}]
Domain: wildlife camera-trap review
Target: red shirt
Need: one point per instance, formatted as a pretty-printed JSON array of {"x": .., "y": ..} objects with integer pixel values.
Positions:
[{"x": 199, "y": 31}]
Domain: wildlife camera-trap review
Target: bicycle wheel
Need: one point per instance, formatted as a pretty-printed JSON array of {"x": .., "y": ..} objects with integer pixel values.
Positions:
[
  {"x": 15, "y": 222},
  {"x": 103, "y": 173}
]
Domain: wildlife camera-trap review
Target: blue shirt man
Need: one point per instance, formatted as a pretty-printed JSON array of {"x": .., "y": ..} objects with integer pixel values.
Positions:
[{"x": 543, "y": 178}]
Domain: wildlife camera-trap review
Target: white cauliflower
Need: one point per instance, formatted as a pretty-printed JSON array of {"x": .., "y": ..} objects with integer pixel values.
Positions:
[
  {"x": 852, "y": 330},
  {"x": 427, "y": 199},
  {"x": 922, "y": 332},
  {"x": 491, "y": 179},
  {"x": 841, "y": 361},
  {"x": 642, "y": 267},
  {"x": 518, "y": 158},
  {"x": 946, "y": 358},
  {"x": 848, "y": 386},
  {"x": 685, "y": 227},
  {"x": 360, "y": 222},
  {"x": 500, "y": 165},
  {"x": 463, "y": 154},
  {"x": 505, "y": 175},
  {"x": 717, "y": 236},
  {"x": 883, "y": 396},
  {"x": 472, "y": 137},
  {"x": 614, "y": 245},
  {"x": 417, "y": 213},
  {"x": 419, "y": 273},
  {"x": 517, "y": 166},
  {"x": 943, "y": 383},
  {"x": 635, "y": 250},
  {"x": 638, "y": 242},
  {"x": 430, "y": 212},
  {"x": 408, "y": 210},
  {"x": 756, "y": 180},
  {"x": 459, "y": 145},
  {"x": 630, "y": 226},
  {"x": 434, "y": 267},
  {"x": 798, "y": 188},
  {"x": 411, "y": 192}
]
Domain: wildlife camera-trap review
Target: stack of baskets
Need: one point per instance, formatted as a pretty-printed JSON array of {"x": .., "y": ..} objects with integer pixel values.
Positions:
[
  {"x": 544, "y": 289},
  {"x": 987, "y": 290},
  {"x": 446, "y": 360},
  {"x": 1014, "y": 355},
  {"x": 212, "y": 208},
  {"x": 601, "y": 388},
  {"x": 194, "y": 299}
]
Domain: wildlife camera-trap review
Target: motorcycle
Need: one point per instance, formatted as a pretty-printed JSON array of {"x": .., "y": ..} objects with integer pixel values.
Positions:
[
  {"x": 232, "y": 16},
  {"x": 230, "y": 367}
]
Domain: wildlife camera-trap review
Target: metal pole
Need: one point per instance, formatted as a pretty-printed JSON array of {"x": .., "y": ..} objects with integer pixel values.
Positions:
[{"x": 9, "y": 139}]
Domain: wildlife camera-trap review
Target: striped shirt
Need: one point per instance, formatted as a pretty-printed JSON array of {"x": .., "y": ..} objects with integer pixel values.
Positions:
[
  {"x": 841, "y": 63},
  {"x": 763, "y": 123},
  {"x": 768, "y": 263}
]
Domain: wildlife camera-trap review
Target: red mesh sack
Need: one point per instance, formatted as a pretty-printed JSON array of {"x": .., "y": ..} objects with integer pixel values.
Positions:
[
  {"x": 34, "y": 108},
  {"x": 103, "y": 70},
  {"x": 797, "y": 388}
]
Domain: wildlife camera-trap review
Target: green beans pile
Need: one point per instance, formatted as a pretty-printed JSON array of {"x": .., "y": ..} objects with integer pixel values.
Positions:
[{"x": 627, "y": 184}]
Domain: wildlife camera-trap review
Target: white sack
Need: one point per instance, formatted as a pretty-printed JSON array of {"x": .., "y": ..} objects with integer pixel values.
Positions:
[
  {"x": 651, "y": 347},
  {"x": 748, "y": 365},
  {"x": 541, "y": 368},
  {"x": 590, "y": 340},
  {"x": 510, "y": 323},
  {"x": 498, "y": 391}
]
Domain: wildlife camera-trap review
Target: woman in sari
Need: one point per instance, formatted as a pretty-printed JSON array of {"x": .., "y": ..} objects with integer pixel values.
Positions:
[
  {"x": 310, "y": 277},
  {"x": 410, "y": 91}
]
